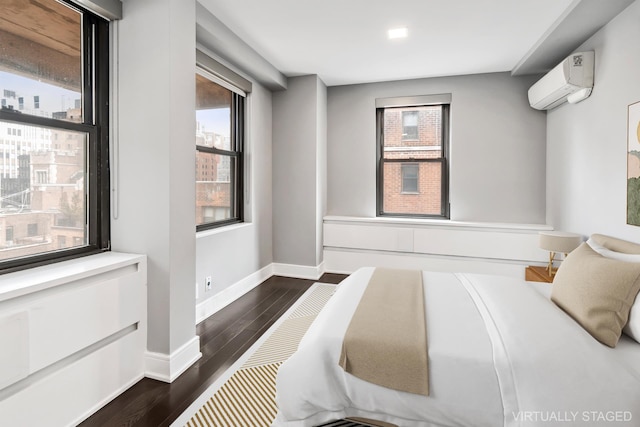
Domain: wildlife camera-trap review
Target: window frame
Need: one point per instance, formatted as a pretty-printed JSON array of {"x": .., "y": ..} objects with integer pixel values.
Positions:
[
  {"x": 237, "y": 136},
  {"x": 443, "y": 100},
  {"x": 95, "y": 125}
]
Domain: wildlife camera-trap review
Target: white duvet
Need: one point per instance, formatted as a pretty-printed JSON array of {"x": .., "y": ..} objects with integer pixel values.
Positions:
[{"x": 500, "y": 354}]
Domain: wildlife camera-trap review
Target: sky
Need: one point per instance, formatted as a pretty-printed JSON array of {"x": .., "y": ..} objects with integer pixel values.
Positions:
[
  {"x": 215, "y": 120},
  {"x": 52, "y": 98}
]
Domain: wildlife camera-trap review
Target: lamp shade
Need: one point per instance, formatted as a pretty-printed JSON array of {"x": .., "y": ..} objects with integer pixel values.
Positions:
[{"x": 559, "y": 241}]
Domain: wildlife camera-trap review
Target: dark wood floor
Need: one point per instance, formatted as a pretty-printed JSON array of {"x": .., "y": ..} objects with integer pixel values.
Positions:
[{"x": 224, "y": 337}]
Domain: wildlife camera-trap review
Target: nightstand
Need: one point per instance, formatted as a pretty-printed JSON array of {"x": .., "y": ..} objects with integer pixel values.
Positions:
[{"x": 537, "y": 274}]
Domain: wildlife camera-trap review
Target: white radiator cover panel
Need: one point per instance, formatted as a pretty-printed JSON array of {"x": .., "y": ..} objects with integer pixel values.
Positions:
[
  {"x": 14, "y": 342},
  {"x": 73, "y": 336},
  {"x": 351, "y": 243}
]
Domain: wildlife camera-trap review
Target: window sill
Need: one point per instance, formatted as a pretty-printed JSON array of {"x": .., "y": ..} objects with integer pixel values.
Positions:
[
  {"x": 36, "y": 279},
  {"x": 433, "y": 223},
  {"x": 220, "y": 230}
]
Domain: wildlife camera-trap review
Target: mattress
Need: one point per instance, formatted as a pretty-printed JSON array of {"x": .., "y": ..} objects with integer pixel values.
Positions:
[{"x": 500, "y": 354}]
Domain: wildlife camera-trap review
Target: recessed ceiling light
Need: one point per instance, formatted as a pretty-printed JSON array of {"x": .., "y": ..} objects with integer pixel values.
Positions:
[{"x": 398, "y": 33}]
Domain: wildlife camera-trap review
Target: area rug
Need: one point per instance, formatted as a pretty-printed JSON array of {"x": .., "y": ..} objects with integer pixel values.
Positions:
[{"x": 245, "y": 394}]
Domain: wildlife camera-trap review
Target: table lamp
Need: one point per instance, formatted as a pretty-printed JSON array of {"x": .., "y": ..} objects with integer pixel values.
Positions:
[{"x": 558, "y": 241}]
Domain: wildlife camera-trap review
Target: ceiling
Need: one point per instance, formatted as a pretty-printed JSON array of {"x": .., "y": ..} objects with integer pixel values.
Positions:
[
  {"x": 345, "y": 41},
  {"x": 41, "y": 40}
]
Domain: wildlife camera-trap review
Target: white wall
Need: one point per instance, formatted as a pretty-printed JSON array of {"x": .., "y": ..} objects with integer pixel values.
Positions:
[
  {"x": 497, "y": 147},
  {"x": 155, "y": 168},
  {"x": 321, "y": 166},
  {"x": 298, "y": 170},
  {"x": 237, "y": 257},
  {"x": 230, "y": 254},
  {"x": 587, "y": 142},
  {"x": 211, "y": 32}
]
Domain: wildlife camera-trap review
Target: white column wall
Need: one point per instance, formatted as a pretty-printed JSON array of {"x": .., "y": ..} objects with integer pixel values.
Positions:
[
  {"x": 155, "y": 209},
  {"x": 299, "y": 159}
]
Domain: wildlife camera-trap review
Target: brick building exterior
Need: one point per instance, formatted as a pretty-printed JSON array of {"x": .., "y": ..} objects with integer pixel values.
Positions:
[
  {"x": 213, "y": 180},
  {"x": 412, "y": 186}
]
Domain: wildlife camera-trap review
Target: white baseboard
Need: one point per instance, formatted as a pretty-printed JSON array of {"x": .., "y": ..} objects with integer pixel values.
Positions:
[
  {"x": 163, "y": 367},
  {"x": 222, "y": 299},
  {"x": 299, "y": 271}
]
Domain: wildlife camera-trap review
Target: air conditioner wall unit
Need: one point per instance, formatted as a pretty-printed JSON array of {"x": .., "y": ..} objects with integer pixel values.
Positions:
[{"x": 572, "y": 78}]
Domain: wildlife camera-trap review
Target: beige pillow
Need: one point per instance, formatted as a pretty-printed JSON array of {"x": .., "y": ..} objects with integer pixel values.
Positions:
[
  {"x": 597, "y": 292},
  {"x": 615, "y": 244}
]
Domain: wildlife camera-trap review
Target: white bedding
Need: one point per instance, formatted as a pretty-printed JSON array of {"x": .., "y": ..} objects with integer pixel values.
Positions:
[{"x": 500, "y": 354}]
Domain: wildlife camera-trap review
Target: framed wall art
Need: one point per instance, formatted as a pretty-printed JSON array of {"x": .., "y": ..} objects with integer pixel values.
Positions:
[{"x": 633, "y": 164}]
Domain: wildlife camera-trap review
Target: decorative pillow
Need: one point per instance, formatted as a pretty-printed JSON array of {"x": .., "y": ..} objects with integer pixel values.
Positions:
[
  {"x": 632, "y": 327},
  {"x": 615, "y": 244},
  {"x": 597, "y": 292}
]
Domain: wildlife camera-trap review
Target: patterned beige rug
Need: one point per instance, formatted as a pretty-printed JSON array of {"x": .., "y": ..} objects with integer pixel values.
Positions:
[{"x": 245, "y": 395}]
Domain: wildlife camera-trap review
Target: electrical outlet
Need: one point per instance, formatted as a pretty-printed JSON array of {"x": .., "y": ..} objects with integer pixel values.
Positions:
[{"x": 207, "y": 283}]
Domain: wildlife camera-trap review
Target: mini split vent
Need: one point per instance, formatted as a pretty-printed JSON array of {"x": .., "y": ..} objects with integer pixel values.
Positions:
[{"x": 571, "y": 80}]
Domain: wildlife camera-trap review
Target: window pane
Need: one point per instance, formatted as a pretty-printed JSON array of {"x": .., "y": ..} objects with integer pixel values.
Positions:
[
  {"x": 215, "y": 184},
  {"x": 413, "y": 133},
  {"x": 427, "y": 198},
  {"x": 41, "y": 59},
  {"x": 213, "y": 114},
  {"x": 410, "y": 178},
  {"x": 42, "y": 189},
  {"x": 409, "y": 125}
]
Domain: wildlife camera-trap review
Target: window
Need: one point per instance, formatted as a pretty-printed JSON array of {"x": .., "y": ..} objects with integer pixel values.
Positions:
[
  {"x": 32, "y": 230},
  {"x": 412, "y": 172},
  {"x": 219, "y": 159},
  {"x": 8, "y": 234},
  {"x": 410, "y": 124},
  {"x": 410, "y": 177},
  {"x": 69, "y": 216},
  {"x": 41, "y": 177}
]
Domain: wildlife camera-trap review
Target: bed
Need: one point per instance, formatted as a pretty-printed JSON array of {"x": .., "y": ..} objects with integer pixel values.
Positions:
[{"x": 500, "y": 351}]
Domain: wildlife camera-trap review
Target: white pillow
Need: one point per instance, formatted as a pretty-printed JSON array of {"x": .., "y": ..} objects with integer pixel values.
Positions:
[
  {"x": 632, "y": 327},
  {"x": 608, "y": 253}
]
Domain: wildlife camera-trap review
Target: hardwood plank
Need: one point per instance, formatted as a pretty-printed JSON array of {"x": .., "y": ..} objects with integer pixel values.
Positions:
[{"x": 333, "y": 278}]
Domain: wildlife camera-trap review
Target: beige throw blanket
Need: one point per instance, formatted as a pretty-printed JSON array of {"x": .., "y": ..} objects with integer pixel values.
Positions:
[{"x": 386, "y": 341}]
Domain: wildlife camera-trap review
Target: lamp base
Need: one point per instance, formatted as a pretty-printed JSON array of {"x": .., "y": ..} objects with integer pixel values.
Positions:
[{"x": 550, "y": 270}]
